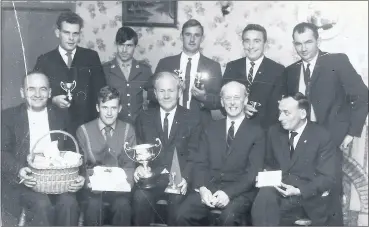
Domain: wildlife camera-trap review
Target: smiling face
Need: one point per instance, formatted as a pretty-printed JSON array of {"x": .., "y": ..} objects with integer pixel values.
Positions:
[
  {"x": 69, "y": 35},
  {"x": 36, "y": 91},
  {"x": 234, "y": 99},
  {"x": 306, "y": 45},
  {"x": 108, "y": 111},
  {"x": 167, "y": 92},
  {"x": 192, "y": 37},
  {"x": 253, "y": 44}
]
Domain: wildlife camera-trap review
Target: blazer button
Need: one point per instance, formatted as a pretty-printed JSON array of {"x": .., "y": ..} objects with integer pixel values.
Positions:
[
  {"x": 127, "y": 85},
  {"x": 128, "y": 95},
  {"x": 128, "y": 104},
  {"x": 129, "y": 115}
]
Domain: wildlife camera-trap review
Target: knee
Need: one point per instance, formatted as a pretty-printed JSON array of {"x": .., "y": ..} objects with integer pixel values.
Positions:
[
  {"x": 121, "y": 204},
  {"x": 227, "y": 217},
  {"x": 41, "y": 204},
  {"x": 68, "y": 200}
]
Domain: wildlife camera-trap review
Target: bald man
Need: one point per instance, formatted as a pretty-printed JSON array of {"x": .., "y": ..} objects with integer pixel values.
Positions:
[{"x": 231, "y": 152}]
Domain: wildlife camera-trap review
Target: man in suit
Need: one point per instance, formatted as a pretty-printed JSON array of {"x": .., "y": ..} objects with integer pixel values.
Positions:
[
  {"x": 205, "y": 98},
  {"x": 68, "y": 63},
  {"x": 231, "y": 152},
  {"x": 22, "y": 126},
  {"x": 305, "y": 153},
  {"x": 127, "y": 74},
  {"x": 337, "y": 94},
  {"x": 260, "y": 75},
  {"x": 179, "y": 130},
  {"x": 102, "y": 141}
]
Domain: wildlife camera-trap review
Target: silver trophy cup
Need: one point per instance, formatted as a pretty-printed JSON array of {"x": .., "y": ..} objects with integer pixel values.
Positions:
[{"x": 68, "y": 87}]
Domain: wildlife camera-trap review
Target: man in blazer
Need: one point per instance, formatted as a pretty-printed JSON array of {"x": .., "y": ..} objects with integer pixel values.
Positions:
[
  {"x": 337, "y": 94},
  {"x": 179, "y": 130},
  {"x": 198, "y": 100},
  {"x": 305, "y": 153},
  {"x": 21, "y": 128},
  {"x": 231, "y": 153},
  {"x": 68, "y": 63},
  {"x": 260, "y": 75},
  {"x": 127, "y": 74}
]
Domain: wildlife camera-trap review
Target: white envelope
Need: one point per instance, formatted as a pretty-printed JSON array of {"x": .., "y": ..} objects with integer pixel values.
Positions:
[
  {"x": 269, "y": 178},
  {"x": 109, "y": 179}
]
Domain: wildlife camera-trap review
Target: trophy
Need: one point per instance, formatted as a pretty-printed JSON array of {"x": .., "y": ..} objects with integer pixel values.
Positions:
[
  {"x": 143, "y": 154},
  {"x": 68, "y": 87},
  {"x": 199, "y": 77},
  {"x": 254, "y": 104},
  {"x": 174, "y": 176}
]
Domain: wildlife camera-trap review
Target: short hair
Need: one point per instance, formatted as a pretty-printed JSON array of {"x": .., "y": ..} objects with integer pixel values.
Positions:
[
  {"x": 32, "y": 73},
  {"x": 243, "y": 87},
  {"x": 302, "y": 102},
  {"x": 69, "y": 17},
  {"x": 192, "y": 23},
  {"x": 162, "y": 74},
  {"x": 301, "y": 28},
  {"x": 124, "y": 34},
  {"x": 255, "y": 27},
  {"x": 107, "y": 93}
]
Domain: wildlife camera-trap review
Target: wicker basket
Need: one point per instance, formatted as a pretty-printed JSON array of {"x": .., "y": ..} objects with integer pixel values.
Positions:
[{"x": 53, "y": 179}]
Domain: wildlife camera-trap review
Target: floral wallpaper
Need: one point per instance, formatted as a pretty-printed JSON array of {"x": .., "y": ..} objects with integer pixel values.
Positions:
[{"x": 223, "y": 43}]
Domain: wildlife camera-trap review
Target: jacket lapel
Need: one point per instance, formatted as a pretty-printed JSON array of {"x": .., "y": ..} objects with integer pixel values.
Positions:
[
  {"x": 284, "y": 149},
  {"x": 175, "y": 124},
  {"x": 317, "y": 68},
  {"x": 300, "y": 146},
  {"x": 115, "y": 70},
  {"x": 260, "y": 71},
  {"x": 159, "y": 127},
  {"x": 135, "y": 70},
  {"x": 295, "y": 78},
  {"x": 23, "y": 131}
]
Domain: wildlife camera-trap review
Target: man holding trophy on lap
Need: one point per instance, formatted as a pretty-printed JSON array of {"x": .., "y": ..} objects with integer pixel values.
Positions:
[{"x": 168, "y": 172}]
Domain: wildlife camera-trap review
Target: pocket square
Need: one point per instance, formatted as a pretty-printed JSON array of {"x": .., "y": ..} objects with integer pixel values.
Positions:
[{"x": 164, "y": 171}]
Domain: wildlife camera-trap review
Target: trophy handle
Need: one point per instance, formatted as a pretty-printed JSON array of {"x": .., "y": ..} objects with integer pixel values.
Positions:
[
  {"x": 158, "y": 145},
  {"x": 62, "y": 85},
  {"x": 126, "y": 148},
  {"x": 74, "y": 85}
]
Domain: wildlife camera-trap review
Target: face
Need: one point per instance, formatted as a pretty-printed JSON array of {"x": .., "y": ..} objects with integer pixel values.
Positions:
[
  {"x": 36, "y": 92},
  {"x": 125, "y": 50},
  {"x": 233, "y": 100},
  {"x": 192, "y": 37},
  {"x": 69, "y": 35},
  {"x": 253, "y": 44},
  {"x": 108, "y": 111},
  {"x": 306, "y": 45},
  {"x": 167, "y": 92},
  {"x": 290, "y": 115}
]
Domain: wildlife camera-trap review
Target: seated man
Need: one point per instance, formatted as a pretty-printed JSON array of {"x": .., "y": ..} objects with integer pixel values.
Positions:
[
  {"x": 231, "y": 153},
  {"x": 102, "y": 142},
  {"x": 305, "y": 154},
  {"x": 22, "y": 126},
  {"x": 179, "y": 130}
]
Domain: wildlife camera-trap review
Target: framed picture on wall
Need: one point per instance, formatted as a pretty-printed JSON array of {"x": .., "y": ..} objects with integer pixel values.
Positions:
[{"x": 150, "y": 13}]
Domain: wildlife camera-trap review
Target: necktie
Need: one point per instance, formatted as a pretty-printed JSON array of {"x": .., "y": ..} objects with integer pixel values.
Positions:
[
  {"x": 187, "y": 83},
  {"x": 230, "y": 135},
  {"x": 166, "y": 126},
  {"x": 126, "y": 68},
  {"x": 249, "y": 77},
  {"x": 107, "y": 130},
  {"x": 291, "y": 140},
  {"x": 307, "y": 78},
  {"x": 70, "y": 59}
]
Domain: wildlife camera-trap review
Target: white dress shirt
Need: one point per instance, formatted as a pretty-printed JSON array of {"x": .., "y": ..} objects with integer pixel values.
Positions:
[
  {"x": 256, "y": 66},
  {"x": 194, "y": 64},
  {"x": 38, "y": 123},
  {"x": 299, "y": 132},
  {"x": 170, "y": 118},
  {"x": 237, "y": 123},
  {"x": 63, "y": 54}
]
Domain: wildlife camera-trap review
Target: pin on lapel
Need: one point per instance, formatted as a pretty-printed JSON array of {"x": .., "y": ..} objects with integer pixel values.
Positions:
[
  {"x": 112, "y": 66},
  {"x": 305, "y": 141},
  {"x": 137, "y": 66}
]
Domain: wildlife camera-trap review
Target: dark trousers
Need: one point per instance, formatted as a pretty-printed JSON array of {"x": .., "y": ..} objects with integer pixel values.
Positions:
[
  {"x": 119, "y": 204},
  {"x": 144, "y": 202},
  {"x": 50, "y": 210},
  {"x": 193, "y": 212}
]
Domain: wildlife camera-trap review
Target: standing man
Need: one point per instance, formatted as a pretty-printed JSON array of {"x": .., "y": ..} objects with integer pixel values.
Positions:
[
  {"x": 22, "y": 126},
  {"x": 198, "y": 100},
  {"x": 179, "y": 130},
  {"x": 260, "y": 75},
  {"x": 127, "y": 74},
  {"x": 102, "y": 142},
  {"x": 231, "y": 153},
  {"x": 337, "y": 94},
  {"x": 305, "y": 154},
  {"x": 68, "y": 63}
]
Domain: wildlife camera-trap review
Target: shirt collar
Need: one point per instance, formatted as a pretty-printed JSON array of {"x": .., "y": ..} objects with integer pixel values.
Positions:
[
  {"x": 237, "y": 122},
  {"x": 44, "y": 111},
  {"x": 257, "y": 62},
  {"x": 102, "y": 125},
  {"x": 64, "y": 52},
  {"x": 171, "y": 113},
  {"x": 194, "y": 57},
  {"x": 312, "y": 62},
  {"x": 124, "y": 64},
  {"x": 301, "y": 128}
]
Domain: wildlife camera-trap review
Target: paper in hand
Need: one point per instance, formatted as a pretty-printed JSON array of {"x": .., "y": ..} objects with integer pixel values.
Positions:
[
  {"x": 269, "y": 178},
  {"x": 109, "y": 179}
]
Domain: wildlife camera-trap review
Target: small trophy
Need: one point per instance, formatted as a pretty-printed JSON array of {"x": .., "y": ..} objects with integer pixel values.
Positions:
[
  {"x": 199, "y": 78},
  {"x": 174, "y": 176},
  {"x": 254, "y": 104},
  {"x": 68, "y": 87}
]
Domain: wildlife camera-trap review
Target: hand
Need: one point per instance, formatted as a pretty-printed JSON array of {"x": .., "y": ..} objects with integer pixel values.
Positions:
[
  {"x": 200, "y": 94},
  {"x": 60, "y": 101},
  {"x": 346, "y": 142},
  {"x": 221, "y": 199},
  {"x": 250, "y": 110},
  {"x": 25, "y": 176},
  {"x": 288, "y": 191},
  {"x": 183, "y": 185},
  {"x": 206, "y": 196},
  {"x": 76, "y": 184},
  {"x": 139, "y": 173}
]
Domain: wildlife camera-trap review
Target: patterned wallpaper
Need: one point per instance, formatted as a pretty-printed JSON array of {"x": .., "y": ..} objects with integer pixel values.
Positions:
[{"x": 223, "y": 43}]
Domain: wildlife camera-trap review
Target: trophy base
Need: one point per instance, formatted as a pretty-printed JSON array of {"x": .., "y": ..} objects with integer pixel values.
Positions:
[
  {"x": 147, "y": 183},
  {"x": 173, "y": 190}
]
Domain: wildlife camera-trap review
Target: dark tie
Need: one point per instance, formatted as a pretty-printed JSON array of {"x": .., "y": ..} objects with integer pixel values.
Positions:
[
  {"x": 291, "y": 140},
  {"x": 307, "y": 79},
  {"x": 187, "y": 83},
  {"x": 230, "y": 135},
  {"x": 249, "y": 77},
  {"x": 166, "y": 126},
  {"x": 70, "y": 59},
  {"x": 107, "y": 130}
]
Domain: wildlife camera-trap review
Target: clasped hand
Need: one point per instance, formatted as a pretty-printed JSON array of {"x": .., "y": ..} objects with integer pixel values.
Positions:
[
  {"x": 287, "y": 190},
  {"x": 219, "y": 199}
]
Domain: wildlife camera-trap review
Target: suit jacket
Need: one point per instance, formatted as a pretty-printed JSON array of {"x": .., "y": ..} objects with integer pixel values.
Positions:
[
  {"x": 312, "y": 166},
  {"x": 184, "y": 136},
  {"x": 337, "y": 93},
  {"x": 212, "y": 86},
  {"x": 265, "y": 89},
  {"x": 131, "y": 91},
  {"x": 86, "y": 69},
  {"x": 232, "y": 170}
]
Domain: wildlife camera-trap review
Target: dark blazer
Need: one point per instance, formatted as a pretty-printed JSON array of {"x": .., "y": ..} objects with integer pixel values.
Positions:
[
  {"x": 86, "y": 69},
  {"x": 337, "y": 93},
  {"x": 184, "y": 136},
  {"x": 265, "y": 89},
  {"x": 131, "y": 91},
  {"x": 233, "y": 170},
  {"x": 212, "y": 86},
  {"x": 311, "y": 168}
]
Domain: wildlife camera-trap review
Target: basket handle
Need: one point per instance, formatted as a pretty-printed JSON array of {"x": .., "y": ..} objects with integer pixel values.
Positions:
[{"x": 50, "y": 132}]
